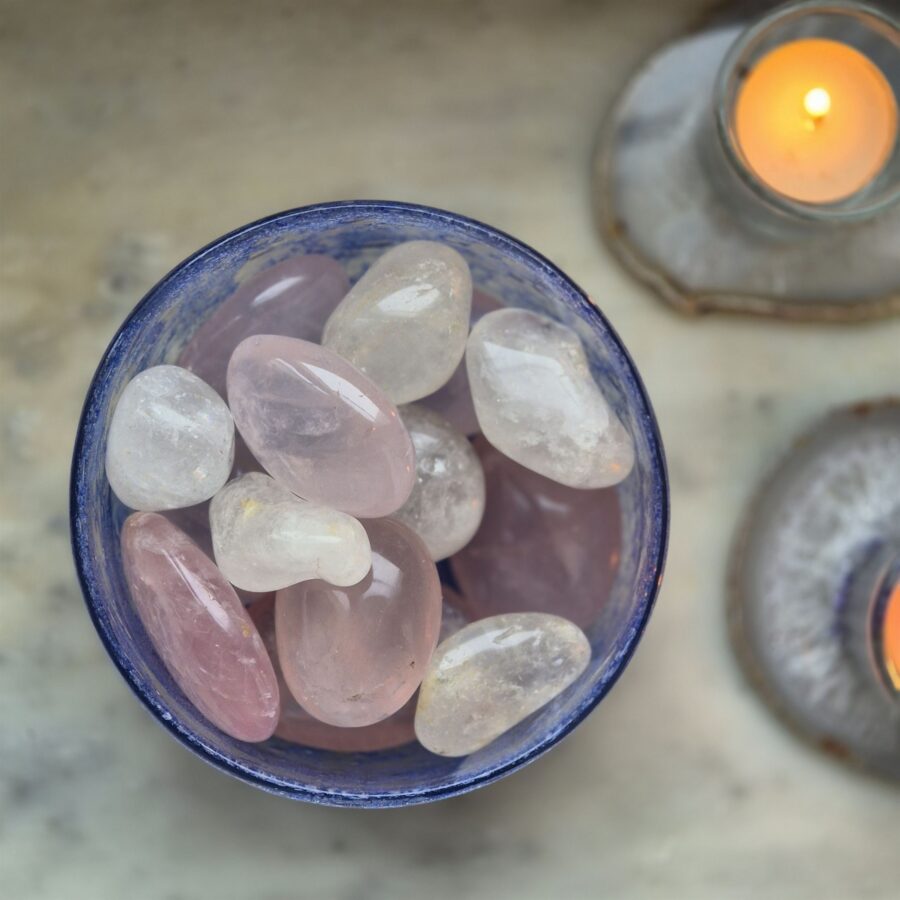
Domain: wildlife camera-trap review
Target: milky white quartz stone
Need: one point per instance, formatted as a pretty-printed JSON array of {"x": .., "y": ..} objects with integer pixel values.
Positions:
[
  {"x": 405, "y": 322},
  {"x": 265, "y": 538},
  {"x": 447, "y": 502},
  {"x": 538, "y": 403},
  {"x": 170, "y": 442},
  {"x": 492, "y": 674}
]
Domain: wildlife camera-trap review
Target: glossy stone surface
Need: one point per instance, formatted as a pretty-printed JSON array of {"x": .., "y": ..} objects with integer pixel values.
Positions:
[
  {"x": 293, "y": 298},
  {"x": 353, "y": 656},
  {"x": 491, "y": 675},
  {"x": 447, "y": 502},
  {"x": 541, "y": 547},
  {"x": 199, "y": 628},
  {"x": 296, "y": 725},
  {"x": 405, "y": 322},
  {"x": 319, "y": 426},
  {"x": 538, "y": 403},
  {"x": 170, "y": 441},
  {"x": 266, "y": 538},
  {"x": 454, "y": 400}
]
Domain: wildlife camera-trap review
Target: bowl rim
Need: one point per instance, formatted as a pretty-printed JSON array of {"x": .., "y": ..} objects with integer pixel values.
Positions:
[{"x": 660, "y": 514}]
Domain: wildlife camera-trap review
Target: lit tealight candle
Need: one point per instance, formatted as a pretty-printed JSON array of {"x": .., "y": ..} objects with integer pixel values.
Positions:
[
  {"x": 816, "y": 120},
  {"x": 891, "y": 637}
]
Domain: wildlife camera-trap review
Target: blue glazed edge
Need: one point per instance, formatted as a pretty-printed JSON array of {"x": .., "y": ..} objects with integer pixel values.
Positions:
[{"x": 648, "y": 586}]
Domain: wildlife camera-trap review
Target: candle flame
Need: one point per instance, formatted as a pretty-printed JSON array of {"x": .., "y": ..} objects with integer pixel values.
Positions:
[{"x": 817, "y": 103}]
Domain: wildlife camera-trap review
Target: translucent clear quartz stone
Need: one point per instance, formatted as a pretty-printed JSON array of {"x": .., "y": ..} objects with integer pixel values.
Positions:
[
  {"x": 353, "y": 656},
  {"x": 538, "y": 403},
  {"x": 170, "y": 441},
  {"x": 265, "y": 538},
  {"x": 319, "y": 426},
  {"x": 294, "y": 297},
  {"x": 491, "y": 675},
  {"x": 199, "y": 628},
  {"x": 404, "y": 323},
  {"x": 447, "y": 502}
]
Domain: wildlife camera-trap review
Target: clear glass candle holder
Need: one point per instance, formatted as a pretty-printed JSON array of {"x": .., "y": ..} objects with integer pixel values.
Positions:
[
  {"x": 680, "y": 205},
  {"x": 862, "y": 28},
  {"x": 356, "y": 233}
]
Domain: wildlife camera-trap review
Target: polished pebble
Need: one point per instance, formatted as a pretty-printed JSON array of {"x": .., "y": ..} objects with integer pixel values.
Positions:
[
  {"x": 355, "y": 655},
  {"x": 405, "y": 322},
  {"x": 454, "y": 400},
  {"x": 266, "y": 538},
  {"x": 538, "y": 403},
  {"x": 491, "y": 675},
  {"x": 320, "y": 427},
  {"x": 294, "y": 297},
  {"x": 447, "y": 502},
  {"x": 296, "y": 725},
  {"x": 199, "y": 628},
  {"x": 541, "y": 547},
  {"x": 170, "y": 441}
]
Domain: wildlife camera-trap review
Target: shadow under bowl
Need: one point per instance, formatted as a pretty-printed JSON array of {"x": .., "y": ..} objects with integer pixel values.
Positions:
[{"x": 356, "y": 233}]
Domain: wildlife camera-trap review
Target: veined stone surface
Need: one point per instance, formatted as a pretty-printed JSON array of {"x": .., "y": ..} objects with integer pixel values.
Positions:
[
  {"x": 541, "y": 547},
  {"x": 170, "y": 441},
  {"x": 447, "y": 502},
  {"x": 538, "y": 403},
  {"x": 354, "y": 655},
  {"x": 266, "y": 538},
  {"x": 199, "y": 628},
  {"x": 319, "y": 426},
  {"x": 294, "y": 297},
  {"x": 405, "y": 322},
  {"x": 454, "y": 400},
  {"x": 491, "y": 675}
]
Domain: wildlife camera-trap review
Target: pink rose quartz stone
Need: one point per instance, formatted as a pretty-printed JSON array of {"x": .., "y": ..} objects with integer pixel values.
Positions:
[
  {"x": 542, "y": 547},
  {"x": 296, "y": 725},
  {"x": 454, "y": 400},
  {"x": 294, "y": 298},
  {"x": 353, "y": 656},
  {"x": 320, "y": 427},
  {"x": 199, "y": 628}
]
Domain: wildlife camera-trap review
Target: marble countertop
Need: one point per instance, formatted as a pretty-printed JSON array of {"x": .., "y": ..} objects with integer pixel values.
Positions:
[{"x": 133, "y": 133}]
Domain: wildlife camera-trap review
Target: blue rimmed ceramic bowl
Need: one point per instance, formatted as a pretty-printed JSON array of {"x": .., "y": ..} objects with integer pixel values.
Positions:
[{"x": 355, "y": 233}]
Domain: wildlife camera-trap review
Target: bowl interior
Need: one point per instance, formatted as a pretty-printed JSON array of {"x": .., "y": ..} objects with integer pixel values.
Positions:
[{"x": 356, "y": 233}]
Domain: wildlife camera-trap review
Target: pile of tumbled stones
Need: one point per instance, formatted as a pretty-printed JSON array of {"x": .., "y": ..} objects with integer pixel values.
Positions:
[{"x": 286, "y": 573}]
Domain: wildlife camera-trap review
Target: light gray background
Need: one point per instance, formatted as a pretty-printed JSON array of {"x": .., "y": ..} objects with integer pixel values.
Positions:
[{"x": 135, "y": 132}]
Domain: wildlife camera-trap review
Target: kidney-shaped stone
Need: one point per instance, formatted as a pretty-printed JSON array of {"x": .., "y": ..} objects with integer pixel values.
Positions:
[{"x": 266, "y": 538}]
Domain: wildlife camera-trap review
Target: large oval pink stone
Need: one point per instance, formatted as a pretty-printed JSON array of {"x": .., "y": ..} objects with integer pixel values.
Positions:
[
  {"x": 353, "y": 656},
  {"x": 320, "y": 427},
  {"x": 293, "y": 298},
  {"x": 454, "y": 400},
  {"x": 296, "y": 725},
  {"x": 541, "y": 547},
  {"x": 199, "y": 628}
]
